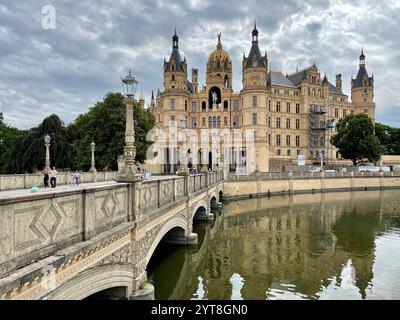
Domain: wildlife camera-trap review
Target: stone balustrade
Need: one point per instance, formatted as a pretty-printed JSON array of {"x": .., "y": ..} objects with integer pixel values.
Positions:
[{"x": 26, "y": 181}]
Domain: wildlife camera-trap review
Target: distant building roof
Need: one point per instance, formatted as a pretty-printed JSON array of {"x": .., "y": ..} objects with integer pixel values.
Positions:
[
  {"x": 276, "y": 78},
  {"x": 362, "y": 73}
]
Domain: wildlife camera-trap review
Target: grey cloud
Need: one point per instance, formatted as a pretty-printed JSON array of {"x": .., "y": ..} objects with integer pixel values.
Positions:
[{"x": 67, "y": 69}]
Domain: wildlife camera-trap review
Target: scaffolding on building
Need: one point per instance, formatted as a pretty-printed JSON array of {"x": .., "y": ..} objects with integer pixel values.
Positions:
[{"x": 320, "y": 132}]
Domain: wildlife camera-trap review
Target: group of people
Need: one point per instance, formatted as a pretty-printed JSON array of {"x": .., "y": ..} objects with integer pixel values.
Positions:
[
  {"x": 53, "y": 177},
  {"x": 144, "y": 174},
  {"x": 75, "y": 178}
]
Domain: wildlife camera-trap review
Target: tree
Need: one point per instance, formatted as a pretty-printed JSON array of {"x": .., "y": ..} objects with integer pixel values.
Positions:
[
  {"x": 389, "y": 138},
  {"x": 8, "y": 136},
  {"x": 28, "y": 151},
  {"x": 105, "y": 125},
  {"x": 356, "y": 139}
]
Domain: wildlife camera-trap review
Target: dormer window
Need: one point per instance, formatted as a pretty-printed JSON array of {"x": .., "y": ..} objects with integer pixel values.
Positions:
[
  {"x": 255, "y": 64},
  {"x": 173, "y": 68}
]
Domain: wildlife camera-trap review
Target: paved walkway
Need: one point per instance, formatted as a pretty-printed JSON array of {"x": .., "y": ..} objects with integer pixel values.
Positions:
[{"x": 23, "y": 192}]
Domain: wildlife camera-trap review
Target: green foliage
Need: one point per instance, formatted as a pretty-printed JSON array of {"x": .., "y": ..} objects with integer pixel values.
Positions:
[
  {"x": 8, "y": 136},
  {"x": 356, "y": 139},
  {"x": 28, "y": 153},
  {"x": 105, "y": 125},
  {"x": 389, "y": 138}
]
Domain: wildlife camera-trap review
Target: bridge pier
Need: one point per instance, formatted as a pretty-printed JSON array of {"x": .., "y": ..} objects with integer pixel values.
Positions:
[
  {"x": 216, "y": 207},
  {"x": 144, "y": 293},
  {"x": 178, "y": 237}
]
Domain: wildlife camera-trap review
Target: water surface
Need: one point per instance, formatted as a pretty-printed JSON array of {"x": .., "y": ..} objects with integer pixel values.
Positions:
[{"x": 323, "y": 246}]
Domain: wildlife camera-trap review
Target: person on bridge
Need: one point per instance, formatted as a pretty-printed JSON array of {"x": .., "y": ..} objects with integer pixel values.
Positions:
[
  {"x": 77, "y": 177},
  {"x": 46, "y": 178},
  {"x": 53, "y": 179}
]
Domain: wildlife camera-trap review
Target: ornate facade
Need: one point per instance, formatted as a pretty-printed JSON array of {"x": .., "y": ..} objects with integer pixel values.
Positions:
[{"x": 290, "y": 115}]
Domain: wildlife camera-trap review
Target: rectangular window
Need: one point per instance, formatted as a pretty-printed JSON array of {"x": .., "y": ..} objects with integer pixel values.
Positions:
[
  {"x": 288, "y": 123},
  {"x": 297, "y": 124},
  {"x": 269, "y": 139},
  {"x": 287, "y": 92},
  {"x": 235, "y": 121},
  {"x": 278, "y": 123},
  {"x": 344, "y": 113},
  {"x": 278, "y": 152},
  {"x": 194, "y": 106},
  {"x": 297, "y": 108},
  {"x": 288, "y": 141},
  {"x": 288, "y": 107},
  {"x": 269, "y": 105},
  {"x": 186, "y": 105},
  {"x": 297, "y": 141},
  {"x": 254, "y": 118},
  {"x": 194, "y": 122},
  {"x": 269, "y": 122},
  {"x": 278, "y": 139},
  {"x": 172, "y": 104},
  {"x": 278, "y": 106},
  {"x": 298, "y": 152},
  {"x": 288, "y": 152},
  {"x": 254, "y": 101},
  {"x": 173, "y": 122},
  {"x": 352, "y": 112},
  {"x": 336, "y": 113},
  {"x": 235, "y": 105}
]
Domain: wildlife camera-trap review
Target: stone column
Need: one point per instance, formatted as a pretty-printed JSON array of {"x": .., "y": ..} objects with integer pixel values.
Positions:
[
  {"x": 129, "y": 172},
  {"x": 47, "y": 161},
  {"x": 92, "y": 168}
]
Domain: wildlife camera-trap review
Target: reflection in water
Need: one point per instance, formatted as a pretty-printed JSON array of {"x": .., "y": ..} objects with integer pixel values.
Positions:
[{"x": 322, "y": 246}]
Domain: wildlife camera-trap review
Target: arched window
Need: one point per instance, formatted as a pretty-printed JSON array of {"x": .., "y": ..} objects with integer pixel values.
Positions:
[
  {"x": 225, "y": 105},
  {"x": 218, "y": 122},
  {"x": 214, "y": 122},
  {"x": 203, "y": 105},
  {"x": 226, "y": 81},
  {"x": 225, "y": 121},
  {"x": 210, "y": 122},
  {"x": 203, "y": 121}
]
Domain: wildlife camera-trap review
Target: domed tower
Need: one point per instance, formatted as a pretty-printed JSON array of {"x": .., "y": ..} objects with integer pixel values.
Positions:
[
  {"x": 219, "y": 73},
  {"x": 362, "y": 90},
  {"x": 141, "y": 99},
  {"x": 175, "y": 70},
  {"x": 255, "y": 66}
]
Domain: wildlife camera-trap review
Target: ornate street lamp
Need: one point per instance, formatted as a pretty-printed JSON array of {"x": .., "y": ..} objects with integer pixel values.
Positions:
[
  {"x": 47, "y": 140},
  {"x": 183, "y": 168},
  {"x": 129, "y": 171},
  {"x": 92, "y": 148}
]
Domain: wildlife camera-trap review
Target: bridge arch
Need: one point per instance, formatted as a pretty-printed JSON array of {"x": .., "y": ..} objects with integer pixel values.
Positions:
[
  {"x": 95, "y": 280},
  {"x": 201, "y": 204},
  {"x": 178, "y": 222}
]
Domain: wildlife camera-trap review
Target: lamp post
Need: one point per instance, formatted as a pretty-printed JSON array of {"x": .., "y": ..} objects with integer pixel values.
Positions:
[
  {"x": 183, "y": 168},
  {"x": 321, "y": 157},
  {"x": 47, "y": 140},
  {"x": 92, "y": 148},
  {"x": 129, "y": 171},
  {"x": 257, "y": 154}
]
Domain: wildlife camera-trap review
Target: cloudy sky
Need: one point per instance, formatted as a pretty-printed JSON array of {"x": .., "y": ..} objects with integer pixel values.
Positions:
[{"x": 66, "y": 69}]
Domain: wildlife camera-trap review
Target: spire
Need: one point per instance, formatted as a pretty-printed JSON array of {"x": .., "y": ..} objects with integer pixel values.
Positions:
[
  {"x": 175, "y": 39},
  {"x": 219, "y": 45},
  {"x": 152, "y": 95},
  {"x": 325, "y": 80},
  {"x": 362, "y": 57},
  {"x": 254, "y": 33}
]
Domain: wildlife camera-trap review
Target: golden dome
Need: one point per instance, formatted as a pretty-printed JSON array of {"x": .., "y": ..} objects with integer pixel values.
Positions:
[
  {"x": 141, "y": 96},
  {"x": 219, "y": 55}
]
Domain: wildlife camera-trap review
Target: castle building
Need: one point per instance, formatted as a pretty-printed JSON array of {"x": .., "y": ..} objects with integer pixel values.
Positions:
[{"x": 290, "y": 115}]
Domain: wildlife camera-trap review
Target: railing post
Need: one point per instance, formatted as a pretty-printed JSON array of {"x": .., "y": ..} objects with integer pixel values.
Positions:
[{"x": 158, "y": 192}]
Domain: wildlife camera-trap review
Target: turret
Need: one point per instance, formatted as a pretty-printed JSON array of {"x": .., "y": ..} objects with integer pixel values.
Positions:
[
  {"x": 339, "y": 81},
  {"x": 175, "y": 70},
  {"x": 362, "y": 89},
  {"x": 195, "y": 83}
]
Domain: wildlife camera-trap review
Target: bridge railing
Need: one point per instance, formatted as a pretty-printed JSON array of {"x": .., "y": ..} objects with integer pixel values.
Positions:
[
  {"x": 34, "y": 226},
  {"x": 154, "y": 194},
  {"x": 307, "y": 175},
  {"x": 26, "y": 181}
]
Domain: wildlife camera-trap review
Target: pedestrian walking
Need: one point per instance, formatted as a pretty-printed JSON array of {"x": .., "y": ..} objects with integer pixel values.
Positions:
[
  {"x": 77, "y": 177},
  {"x": 46, "y": 178},
  {"x": 53, "y": 179}
]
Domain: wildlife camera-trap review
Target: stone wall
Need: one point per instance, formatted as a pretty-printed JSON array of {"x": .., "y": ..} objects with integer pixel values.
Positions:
[
  {"x": 288, "y": 183},
  {"x": 26, "y": 181}
]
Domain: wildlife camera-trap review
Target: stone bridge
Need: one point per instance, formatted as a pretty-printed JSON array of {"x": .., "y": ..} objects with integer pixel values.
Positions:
[{"x": 97, "y": 239}]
